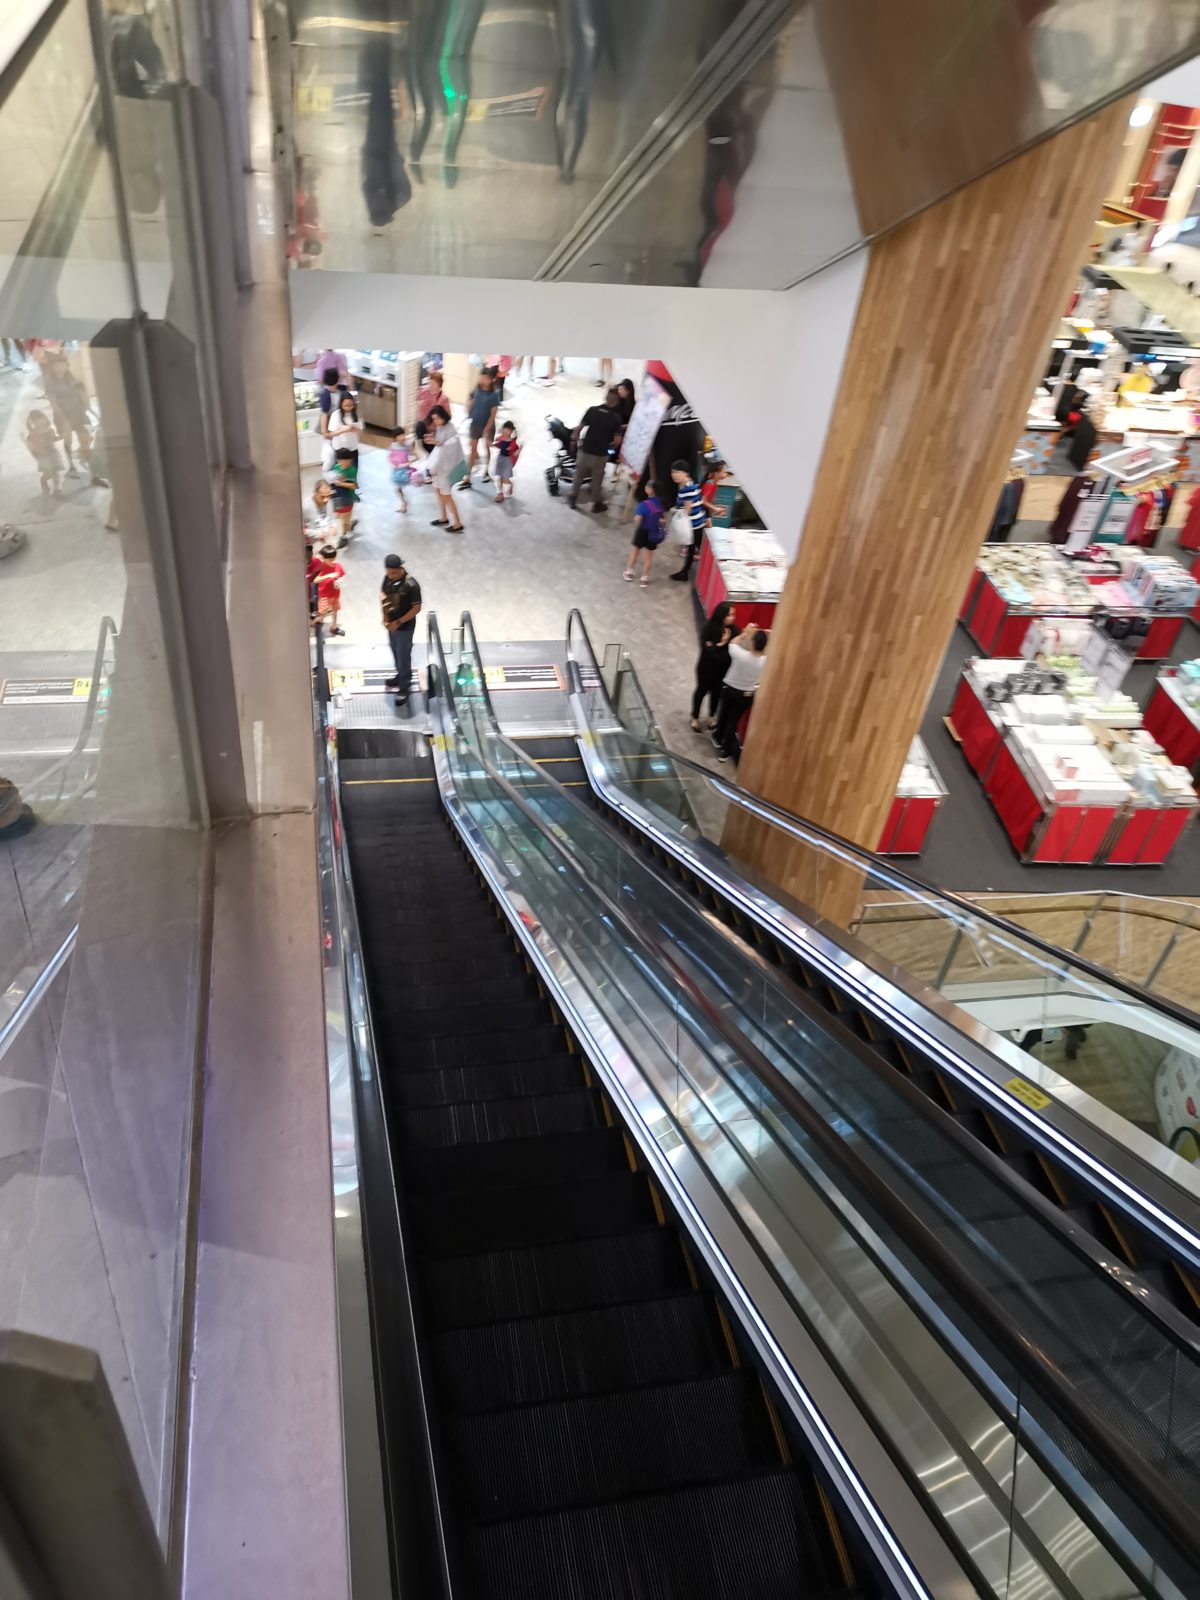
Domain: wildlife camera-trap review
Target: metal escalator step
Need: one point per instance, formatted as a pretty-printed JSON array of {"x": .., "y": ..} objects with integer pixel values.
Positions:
[
  {"x": 502, "y": 990},
  {"x": 753, "y": 1539},
  {"x": 466, "y": 969},
  {"x": 536, "y": 1359},
  {"x": 500, "y": 1081},
  {"x": 605, "y": 1447},
  {"x": 569, "y": 1111},
  {"x": 475, "y": 941},
  {"x": 515, "y": 1162},
  {"x": 471, "y": 1289},
  {"x": 965, "y": 1192},
  {"x": 498, "y": 1016},
  {"x": 517, "y": 1044},
  {"x": 443, "y": 1224}
]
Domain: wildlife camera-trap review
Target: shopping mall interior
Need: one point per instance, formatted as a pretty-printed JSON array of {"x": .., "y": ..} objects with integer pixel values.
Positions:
[{"x": 600, "y": 953}]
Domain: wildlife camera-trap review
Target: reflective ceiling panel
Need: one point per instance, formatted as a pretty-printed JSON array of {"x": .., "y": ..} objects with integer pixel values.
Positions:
[{"x": 733, "y": 143}]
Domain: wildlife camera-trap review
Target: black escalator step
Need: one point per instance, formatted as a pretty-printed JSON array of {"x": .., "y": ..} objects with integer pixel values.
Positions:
[
  {"x": 497, "y": 1016},
  {"x": 473, "y": 941},
  {"x": 467, "y": 969},
  {"x": 1027, "y": 1166},
  {"x": 500, "y": 1081},
  {"x": 966, "y": 1192},
  {"x": 541, "y": 748},
  {"x": 471, "y": 1289},
  {"x": 608, "y": 1447},
  {"x": 535, "y": 1359},
  {"x": 977, "y": 1125},
  {"x": 754, "y": 1539},
  {"x": 475, "y": 1050},
  {"x": 457, "y": 992},
  {"x": 570, "y": 1111},
  {"x": 515, "y": 1163},
  {"x": 445, "y": 1224}
]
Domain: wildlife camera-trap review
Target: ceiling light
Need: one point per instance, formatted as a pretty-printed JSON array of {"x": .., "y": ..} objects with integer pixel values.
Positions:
[
  {"x": 1141, "y": 114},
  {"x": 720, "y": 138}
]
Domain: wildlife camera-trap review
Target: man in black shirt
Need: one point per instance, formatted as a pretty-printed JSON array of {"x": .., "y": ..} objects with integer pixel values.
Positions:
[
  {"x": 596, "y": 433},
  {"x": 400, "y": 598}
]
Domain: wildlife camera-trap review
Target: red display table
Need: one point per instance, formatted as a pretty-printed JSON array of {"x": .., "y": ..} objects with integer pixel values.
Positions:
[
  {"x": 1174, "y": 724},
  {"x": 908, "y": 825},
  {"x": 999, "y": 628},
  {"x": 1044, "y": 830},
  {"x": 712, "y": 589}
]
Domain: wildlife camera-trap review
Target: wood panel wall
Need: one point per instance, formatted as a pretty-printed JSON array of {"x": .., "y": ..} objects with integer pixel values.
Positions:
[{"x": 952, "y": 330}]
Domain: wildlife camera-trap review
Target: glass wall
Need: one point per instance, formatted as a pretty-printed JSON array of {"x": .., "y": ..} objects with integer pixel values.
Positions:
[{"x": 102, "y": 846}]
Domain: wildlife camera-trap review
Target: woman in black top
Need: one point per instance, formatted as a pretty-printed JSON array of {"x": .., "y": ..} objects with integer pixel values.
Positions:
[
  {"x": 626, "y": 400},
  {"x": 714, "y": 662}
]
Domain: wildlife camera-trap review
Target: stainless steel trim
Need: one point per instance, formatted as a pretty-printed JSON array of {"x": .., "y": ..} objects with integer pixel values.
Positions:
[{"x": 37, "y": 989}]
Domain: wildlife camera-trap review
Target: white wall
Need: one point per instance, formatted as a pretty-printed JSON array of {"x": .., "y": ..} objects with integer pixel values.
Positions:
[{"x": 761, "y": 368}]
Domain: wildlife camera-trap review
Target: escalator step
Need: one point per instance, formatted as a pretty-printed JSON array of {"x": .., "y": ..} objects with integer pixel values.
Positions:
[
  {"x": 515, "y": 1162},
  {"x": 460, "y": 993},
  {"x": 541, "y": 1214},
  {"x": 473, "y": 943},
  {"x": 471, "y": 1289},
  {"x": 550, "y": 1358},
  {"x": 507, "y": 1016},
  {"x": 758, "y": 1538},
  {"x": 570, "y": 1111},
  {"x": 499, "y": 1081},
  {"x": 518, "y": 1044},
  {"x": 605, "y": 1447},
  {"x": 467, "y": 969}
]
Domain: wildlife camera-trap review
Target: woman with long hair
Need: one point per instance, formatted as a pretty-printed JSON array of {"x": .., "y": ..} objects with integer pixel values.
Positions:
[{"x": 713, "y": 662}]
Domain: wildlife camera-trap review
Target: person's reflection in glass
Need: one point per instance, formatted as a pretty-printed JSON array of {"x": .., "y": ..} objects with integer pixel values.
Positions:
[
  {"x": 385, "y": 183},
  {"x": 138, "y": 72},
  {"x": 443, "y": 34},
  {"x": 582, "y": 29}
]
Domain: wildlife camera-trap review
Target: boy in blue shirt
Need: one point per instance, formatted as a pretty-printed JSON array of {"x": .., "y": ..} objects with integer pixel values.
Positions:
[{"x": 689, "y": 500}]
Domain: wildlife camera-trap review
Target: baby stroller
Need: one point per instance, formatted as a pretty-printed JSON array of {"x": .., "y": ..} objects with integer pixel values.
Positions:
[{"x": 562, "y": 471}]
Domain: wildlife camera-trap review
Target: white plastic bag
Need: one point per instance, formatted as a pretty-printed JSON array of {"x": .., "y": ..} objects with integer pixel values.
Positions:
[{"x": 680, "y": 527}]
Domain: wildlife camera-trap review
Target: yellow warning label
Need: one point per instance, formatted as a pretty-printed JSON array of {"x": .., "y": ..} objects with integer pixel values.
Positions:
[
  {"x": 1028, "y": 1094},
  {"x": 341, "y": 680},
  {"x": 314, "y": 99},
  {"x": 81, "y": 688},
  {"x": 493, "y": 677}
]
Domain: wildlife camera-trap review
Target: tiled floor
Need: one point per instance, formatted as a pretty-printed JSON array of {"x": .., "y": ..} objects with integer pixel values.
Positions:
[{"x": 520, "y": 567}]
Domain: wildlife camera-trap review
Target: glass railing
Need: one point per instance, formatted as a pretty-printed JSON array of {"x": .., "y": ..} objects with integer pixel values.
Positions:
[
  {"x": 1069, "y": 1024},
  {"x": 961, "y": 1346}
]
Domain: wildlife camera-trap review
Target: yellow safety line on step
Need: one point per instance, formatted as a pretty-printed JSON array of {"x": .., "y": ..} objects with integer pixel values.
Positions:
[
  {"x": 353, "y": 783},
  {"x": 835, "y": 1532}
]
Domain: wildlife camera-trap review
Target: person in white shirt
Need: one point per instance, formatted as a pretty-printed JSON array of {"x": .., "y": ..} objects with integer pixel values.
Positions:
[
  {"x": 747, "y": 657},
  {"x": 444, "y": 466},
  {"x": 344, "y": 430}
]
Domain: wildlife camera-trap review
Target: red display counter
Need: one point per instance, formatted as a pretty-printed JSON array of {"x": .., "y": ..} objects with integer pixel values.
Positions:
[
  {"x": 1174, "y": 724},
  {"x": 999, "y": 628},
  {"x": 908, "y": 825},
  {"x": 713, "y": 586},
  {"x": 1044, "y": 830}
]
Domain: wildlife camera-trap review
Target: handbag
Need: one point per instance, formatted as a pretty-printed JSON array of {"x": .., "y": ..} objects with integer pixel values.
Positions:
[{"x": 680, "y": 527}]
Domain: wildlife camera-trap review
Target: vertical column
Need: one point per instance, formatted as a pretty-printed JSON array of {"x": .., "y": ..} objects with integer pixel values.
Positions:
[{"x": 954, "y": 319}]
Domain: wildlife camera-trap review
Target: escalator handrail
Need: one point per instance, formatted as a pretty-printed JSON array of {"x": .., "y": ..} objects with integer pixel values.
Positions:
[
  {"x": 385, "y": 1202},
  {"x": 812, "y": 833},
  {"x": 472, "y": 642},
  {"x": 1164, "y": 1506},
  {"x": 1147, "y": 1300}
]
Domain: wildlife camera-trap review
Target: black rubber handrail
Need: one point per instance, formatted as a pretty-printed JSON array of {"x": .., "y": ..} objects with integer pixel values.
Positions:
[
  {"x": 1155, "y": 1497},
  {"x": 881, "y": 867}
]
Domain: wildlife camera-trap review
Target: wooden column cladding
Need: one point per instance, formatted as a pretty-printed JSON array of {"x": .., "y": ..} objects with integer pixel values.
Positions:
[{"x": 953, "y": 326}]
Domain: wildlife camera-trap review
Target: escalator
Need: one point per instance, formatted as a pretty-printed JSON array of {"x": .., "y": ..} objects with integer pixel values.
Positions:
[
  {"x": 662, "y": 801},
  {"x": 589, "y": 1401},
  {"x": 663, "y": 1258}
]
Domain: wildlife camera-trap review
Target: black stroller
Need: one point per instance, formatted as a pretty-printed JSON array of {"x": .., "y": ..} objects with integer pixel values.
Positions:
[{"x": 562, "y": 471}]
